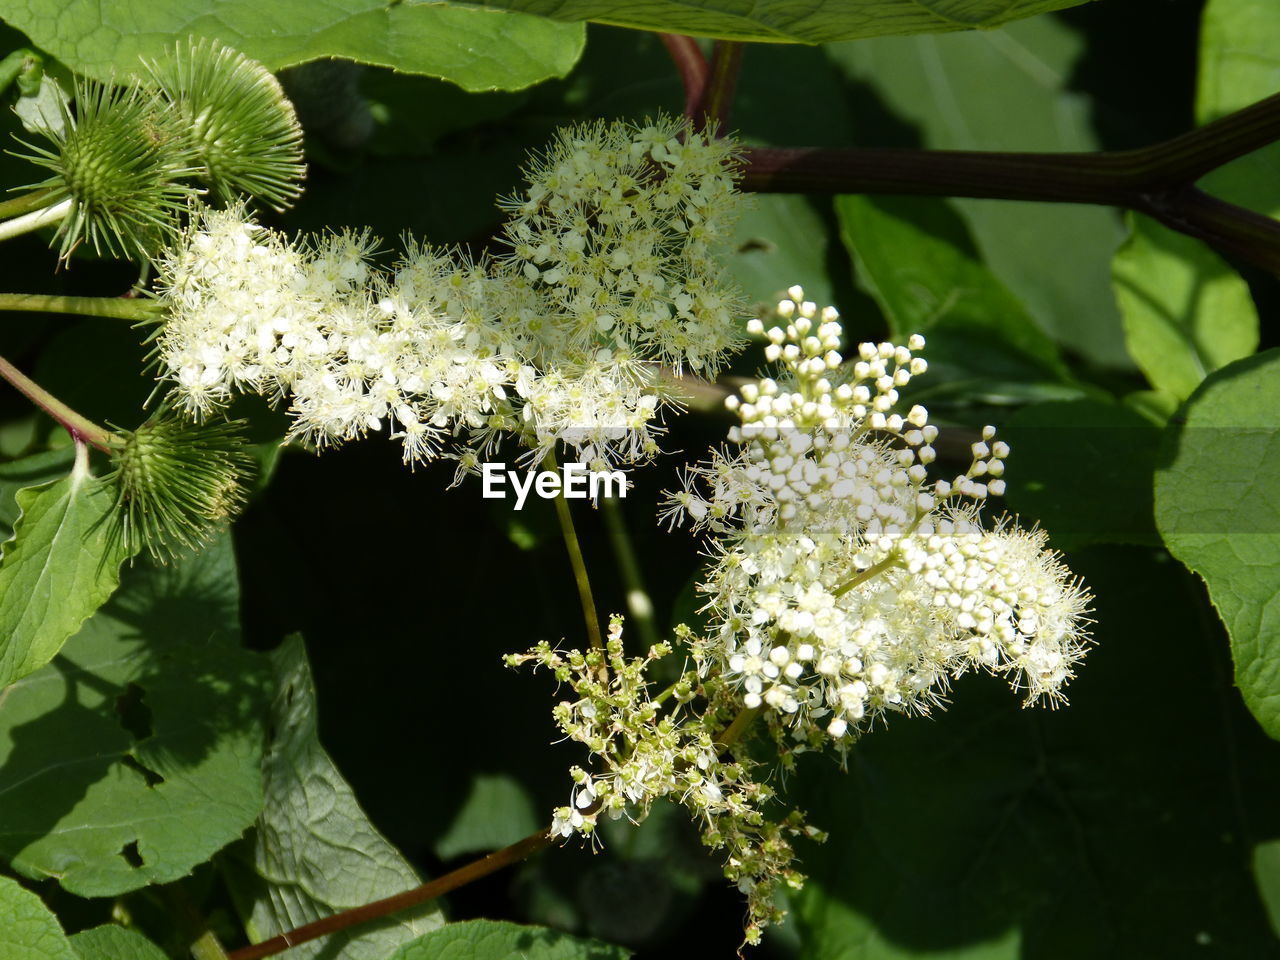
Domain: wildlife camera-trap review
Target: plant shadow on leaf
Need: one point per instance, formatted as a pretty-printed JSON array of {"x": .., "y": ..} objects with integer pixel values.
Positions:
[{"x": 134, "y": 754}]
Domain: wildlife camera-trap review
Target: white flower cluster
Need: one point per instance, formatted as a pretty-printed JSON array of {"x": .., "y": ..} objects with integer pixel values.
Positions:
[
  {"x": 642, "y": 753},
  {"x": 846, "y": 583},
  {"x": 610, "y": 273}
]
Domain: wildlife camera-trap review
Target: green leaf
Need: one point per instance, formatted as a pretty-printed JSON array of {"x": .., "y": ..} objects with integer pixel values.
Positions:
[
  {"x": 313, "y": 852},
  {"x": 495, "y": 940},
  {"x": 60, "y": 566},
  {"x": 1217, "y": 498},
  {"x": 1083, "y": 469},
  {"x": 780, "y": 241},
  {"x": 1240, "y": 65},
  {"x": 28, "y": 931},
  {"x": 136, "y": 753},
  {"x": 32, "y": 471},
  {"x": 1186, "y": 313},
  {"x": 789, "y": 20},
  {"x": 1266, "y": 870},
  {"x": 43, "y": 107},
  {"x": 496, "y": 812},
  {"x": 1009, "y": 89},
  {"x": 915, "y": 257},
  {"x": 113, "y": 942},
  {"x": 1121, "y": 825},
  {"x": 476, "y": 49}
]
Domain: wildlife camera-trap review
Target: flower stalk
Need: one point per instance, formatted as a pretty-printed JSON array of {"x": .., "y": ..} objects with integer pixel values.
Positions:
[{"x": 580, "y": 576}]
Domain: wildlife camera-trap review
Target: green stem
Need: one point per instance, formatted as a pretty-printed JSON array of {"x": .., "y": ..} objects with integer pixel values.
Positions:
[
  {"x": 120, "y": 308},
  {"x": 734, "y": 731},
  {"x": 570, "y": 537},
  {"x": 34, "y": 220},
  {"x": 639, "y": 604},
  {"x": 892, "y": 560},
  {"x": 24, "y": 203},
  {"x": 79, "y": 427}
]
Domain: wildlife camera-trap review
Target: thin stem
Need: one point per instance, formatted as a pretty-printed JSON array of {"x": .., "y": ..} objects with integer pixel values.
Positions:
[
  {"x": 401, "y": 901},
  {"x": 892, "y": 560},
  {"x": 639, "y": 604},
  {"x": 79, "y": 427},
  {"x": 120, "y": 308},
  {"x": 570, "y": 537},
  {"x": 734, "y": 731},
  {"x": 24, "y": 203},
  {"x": 716, "y": 103},
  {"x": 693, "y": 67},
  {"x": 34, "y": 220}
]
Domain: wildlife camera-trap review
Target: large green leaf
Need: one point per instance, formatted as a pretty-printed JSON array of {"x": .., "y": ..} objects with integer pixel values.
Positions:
[
  {"x": 28, "y": 931},
  {"x": 1008, "y": 89},
  {"x": 1186, "y": 313},
  {"x": 795, "y": 21},
  {"x": 136, "y": 753},
  {"x": 313, "y": 852},
  {"x": 1122, "y": 825},
  {"x": 476, "y": 49},
  {"x": 112, "y": 942},
  {"x": 494, "y": 940},
  {"x": 1240, "y": 65},
  {"x": 61, "y": 565},
  {"x": 1083, "y": 470},
  {"x": 915, "y": 256},
  {"x": 1218, "y": 509}
]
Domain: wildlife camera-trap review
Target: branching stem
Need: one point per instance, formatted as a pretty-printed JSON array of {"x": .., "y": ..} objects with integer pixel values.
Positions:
[
  {"x": 892, "y": 560},
  {"x": 1158, "y": 180}
]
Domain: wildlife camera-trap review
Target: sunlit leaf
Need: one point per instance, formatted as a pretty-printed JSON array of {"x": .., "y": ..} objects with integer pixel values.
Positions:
[{"x": 1218, "y": 510}]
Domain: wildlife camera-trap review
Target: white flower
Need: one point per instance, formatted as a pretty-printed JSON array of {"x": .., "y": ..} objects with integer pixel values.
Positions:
[{"x": 846, "y": 583}]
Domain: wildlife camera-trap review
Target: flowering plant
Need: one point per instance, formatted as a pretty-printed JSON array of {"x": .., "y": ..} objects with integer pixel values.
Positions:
[{"x": 822, "y": 545}]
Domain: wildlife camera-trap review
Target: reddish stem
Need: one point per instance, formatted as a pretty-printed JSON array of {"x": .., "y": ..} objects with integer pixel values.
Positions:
[
  {"x": 716, "y": 104},
  {"x": 693, "y": 67},
  {"x": 401, "y": 901}
]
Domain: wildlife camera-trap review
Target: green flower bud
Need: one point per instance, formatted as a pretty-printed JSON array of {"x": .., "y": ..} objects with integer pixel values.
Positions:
[
  {"x": 177, "y": 483},
  {"x": 119, "y": 159},
  {"x": 242, "y": 126}
]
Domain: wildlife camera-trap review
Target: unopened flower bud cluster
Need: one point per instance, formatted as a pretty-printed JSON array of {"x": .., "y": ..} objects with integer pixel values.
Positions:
[
  {"x": 610, "y": 272},
  {"x": 642, "y": 752},
  {"x": 847, "y": 583}
]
